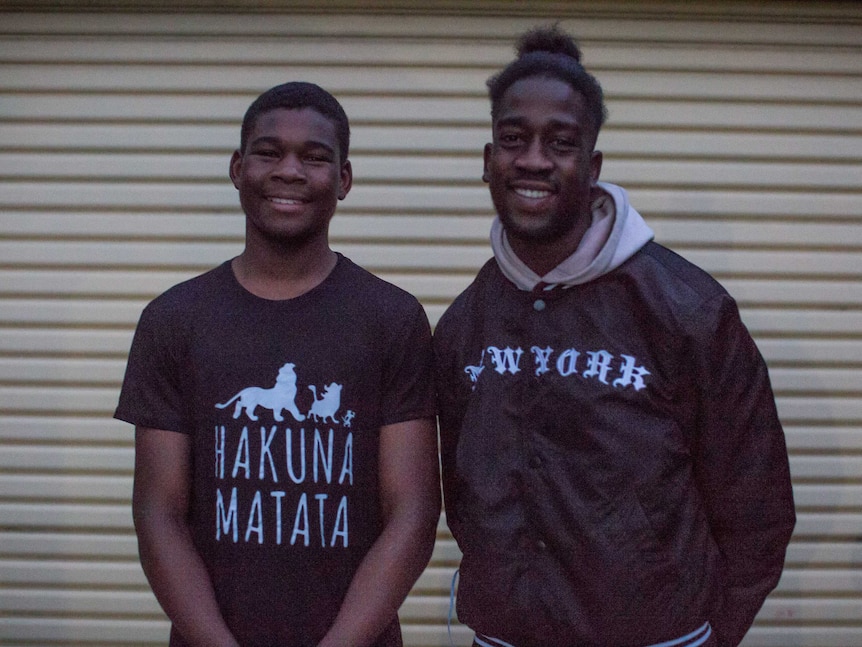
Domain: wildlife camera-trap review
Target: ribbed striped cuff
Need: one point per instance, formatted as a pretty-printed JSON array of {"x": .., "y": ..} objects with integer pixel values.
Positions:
[{"x": 694, "y": 639}]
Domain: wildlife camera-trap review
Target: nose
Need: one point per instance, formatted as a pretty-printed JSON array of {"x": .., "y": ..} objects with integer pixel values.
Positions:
[
  {"x": 533, "y": 157},
  {"x": 289, "y": 168}
]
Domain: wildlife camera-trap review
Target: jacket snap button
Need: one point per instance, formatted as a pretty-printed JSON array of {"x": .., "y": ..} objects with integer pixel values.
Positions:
[{"x": 538, "y": 305}]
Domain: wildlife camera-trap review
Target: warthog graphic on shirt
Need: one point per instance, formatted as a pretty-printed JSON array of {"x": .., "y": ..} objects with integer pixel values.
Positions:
[
  {"x": 327, "y": 405},
  {"x": 280, "y": 397}
]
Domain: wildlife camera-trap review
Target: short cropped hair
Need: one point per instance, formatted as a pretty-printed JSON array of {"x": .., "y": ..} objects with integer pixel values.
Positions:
[
  {"x": 296, "y": 95},
  {"x": 550, "y": 52}
]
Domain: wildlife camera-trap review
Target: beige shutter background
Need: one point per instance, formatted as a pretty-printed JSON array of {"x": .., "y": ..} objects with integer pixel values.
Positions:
[{"x": 736, "y": 126}]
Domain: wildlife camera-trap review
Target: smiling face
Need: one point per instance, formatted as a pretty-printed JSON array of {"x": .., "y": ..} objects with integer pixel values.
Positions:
[
  {"x": 541, "y": 168},
  {"x": 290, "y": 177}
]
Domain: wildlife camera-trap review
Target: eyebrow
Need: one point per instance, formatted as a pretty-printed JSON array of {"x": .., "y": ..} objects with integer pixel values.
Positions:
[
  {"x": 554, "y": 124},
  {"x": 311, "y": 143}
]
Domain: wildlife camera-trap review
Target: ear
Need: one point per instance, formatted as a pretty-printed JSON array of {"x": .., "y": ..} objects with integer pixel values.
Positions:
[
  {"x": 489, "y": 149},
  {"x": 346, "y": 179},
  {"x": 595, "y": 166},
  {"x": 235, "y": 168}
]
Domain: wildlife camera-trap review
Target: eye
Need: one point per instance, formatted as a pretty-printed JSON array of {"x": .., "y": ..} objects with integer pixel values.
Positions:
[
  {"x": 265, "y": 152},
  {"x": 317, "y": 156},
  {"x": 509, "y": 139},
  {"x": 316, "y": 159},
  {"x": 563, "y": 144}
]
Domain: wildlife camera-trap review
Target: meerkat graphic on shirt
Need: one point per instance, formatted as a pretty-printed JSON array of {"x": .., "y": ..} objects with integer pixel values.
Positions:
[{"x": 293, "y": 504}]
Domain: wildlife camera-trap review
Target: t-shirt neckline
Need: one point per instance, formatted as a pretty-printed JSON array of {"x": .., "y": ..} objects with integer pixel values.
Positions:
[{"x": 246, "y": 294}]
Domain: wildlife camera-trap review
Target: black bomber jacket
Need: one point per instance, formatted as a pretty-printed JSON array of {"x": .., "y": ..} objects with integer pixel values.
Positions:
[{"x": 614, "y": 469}]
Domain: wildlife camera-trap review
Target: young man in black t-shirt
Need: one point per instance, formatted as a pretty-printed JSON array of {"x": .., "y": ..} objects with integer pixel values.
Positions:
[{"x": 286, "y": 486}]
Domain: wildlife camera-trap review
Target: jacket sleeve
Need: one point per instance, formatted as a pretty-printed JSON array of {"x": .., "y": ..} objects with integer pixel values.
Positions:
[
  {"x": 450, "y": 413},
  {"x": 741, "y": 468}
]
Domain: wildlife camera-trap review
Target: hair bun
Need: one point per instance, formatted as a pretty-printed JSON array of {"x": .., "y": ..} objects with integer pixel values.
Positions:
[{"x": 552, "y": 40}]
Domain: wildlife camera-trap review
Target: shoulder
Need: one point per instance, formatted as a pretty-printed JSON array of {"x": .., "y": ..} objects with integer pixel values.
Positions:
[
  {"x": 681, "y": 294},
  {"x": 680, "y": 281},
  {"x": 183, "y": 299},
  {"x": 479, "y": 292},
  {"x": 368, "y": 292},
  {"x": 681, "y": 271}
]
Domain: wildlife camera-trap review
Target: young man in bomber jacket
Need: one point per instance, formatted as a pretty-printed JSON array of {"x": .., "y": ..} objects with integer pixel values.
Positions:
[{"x": 614, "y": 469}]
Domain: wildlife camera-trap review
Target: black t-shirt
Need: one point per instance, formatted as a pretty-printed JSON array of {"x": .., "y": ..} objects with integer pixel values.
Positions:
[{"x": 284, "y": 401}]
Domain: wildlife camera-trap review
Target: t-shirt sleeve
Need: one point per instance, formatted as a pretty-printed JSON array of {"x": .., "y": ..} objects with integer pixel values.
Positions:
[
  {"x": 152, "y": 393},
  {"x": 408, "y": 387}
]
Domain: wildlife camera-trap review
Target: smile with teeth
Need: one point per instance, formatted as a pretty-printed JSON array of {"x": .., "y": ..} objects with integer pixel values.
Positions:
[
  {"x": 284, "y": 200},
  {"x": 533, "y": 194}
]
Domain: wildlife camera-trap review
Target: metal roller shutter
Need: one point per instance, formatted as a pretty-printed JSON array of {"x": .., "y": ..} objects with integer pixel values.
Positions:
[{"x": 737, "y": 128}]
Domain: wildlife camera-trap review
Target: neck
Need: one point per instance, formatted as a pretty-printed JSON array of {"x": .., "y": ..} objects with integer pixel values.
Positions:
[
  {"x": 543, "y": 256},
  {"x": 283, "y": 273}
]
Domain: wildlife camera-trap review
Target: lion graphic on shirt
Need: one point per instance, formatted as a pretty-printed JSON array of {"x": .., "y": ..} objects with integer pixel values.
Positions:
[
  {"x": 280, "y": 397},
  {"x": 327, "y": 405}
]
